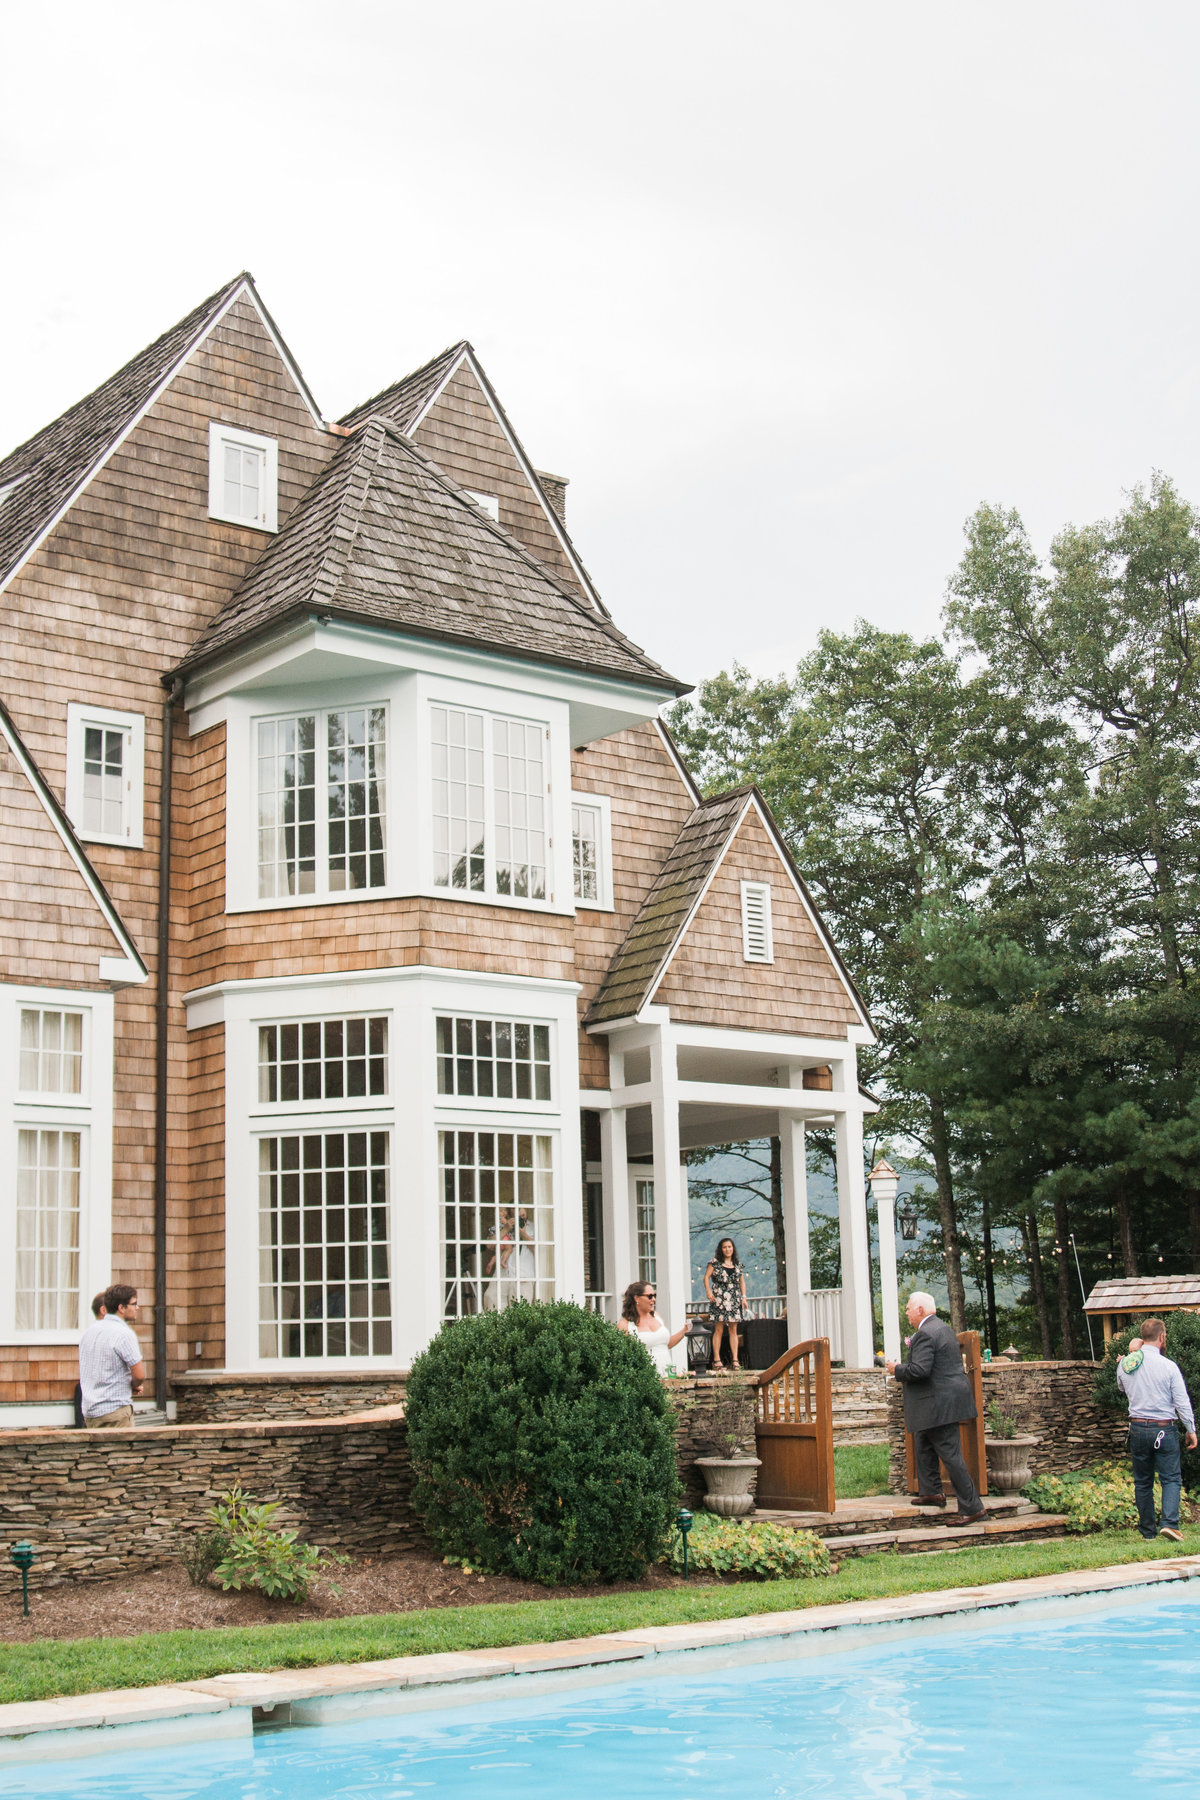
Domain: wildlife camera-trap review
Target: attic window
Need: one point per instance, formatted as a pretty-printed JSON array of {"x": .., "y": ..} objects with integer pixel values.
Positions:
[
  {"x": 105, "y": 753},
  {"x": 487, "y": 503},
  {"x": 757, "y": 943},
  {"x": 243, "y": 477}
]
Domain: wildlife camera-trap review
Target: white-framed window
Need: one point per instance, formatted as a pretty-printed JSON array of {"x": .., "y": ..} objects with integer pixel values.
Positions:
[
  {"x": 490, "y": 803},
  {"x": 591, "y": 850},
  {"x": 497, "y": 1219},
  {"x": 493, "y": 1059},
  {"x": 647, "y": 1242},
  {"x": 322, "y": 1059},
  {"x": 243, "y": 477},
  {"x": 56, "y": 1145},
  {"x": 46, "y": 1266},
  {"x": 322, "y": 802},
  {"x": 51, "y": 1051},
  {"x": 758, "y": 943},
  {"x": 324, "y": 1272},
  {"x": 105, "y": 774}
]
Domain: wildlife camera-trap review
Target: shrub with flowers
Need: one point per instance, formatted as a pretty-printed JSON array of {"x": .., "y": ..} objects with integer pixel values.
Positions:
[{"x": 755, "y": 1548}]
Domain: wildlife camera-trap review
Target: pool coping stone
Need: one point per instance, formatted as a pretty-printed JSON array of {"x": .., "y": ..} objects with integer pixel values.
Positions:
[{"x": 99, "y": 1721}]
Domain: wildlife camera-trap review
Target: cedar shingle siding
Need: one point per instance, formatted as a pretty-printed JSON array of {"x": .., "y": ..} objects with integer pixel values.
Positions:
[{"x": 135, "y": 581}]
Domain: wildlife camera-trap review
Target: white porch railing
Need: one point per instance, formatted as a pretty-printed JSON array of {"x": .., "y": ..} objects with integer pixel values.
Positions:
[
  {"x": 758, "y": 1306},
  {"x": 826, "y": 1309},
  {"x": 597, "y": 1303}
]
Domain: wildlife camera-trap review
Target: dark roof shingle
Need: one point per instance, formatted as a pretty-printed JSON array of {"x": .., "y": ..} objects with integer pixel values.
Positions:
[
  {"x": 43, "y": 473},
  {"x": 385, "y": 538}
]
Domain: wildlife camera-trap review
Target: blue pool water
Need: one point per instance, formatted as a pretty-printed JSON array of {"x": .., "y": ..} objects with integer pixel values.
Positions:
[{"x": 1104, "y": 1705}]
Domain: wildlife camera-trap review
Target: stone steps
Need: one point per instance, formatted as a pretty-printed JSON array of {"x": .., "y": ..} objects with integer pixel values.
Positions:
[{"x": 883, "y": 1523}]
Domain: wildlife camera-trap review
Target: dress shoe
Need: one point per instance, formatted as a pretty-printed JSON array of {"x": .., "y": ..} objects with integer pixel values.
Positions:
[
  {"x": 971, "y": 1518},
  {"x": 929, "y": 1499}
]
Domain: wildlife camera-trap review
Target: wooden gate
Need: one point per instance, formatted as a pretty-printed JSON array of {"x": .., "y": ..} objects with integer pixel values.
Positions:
[
  {"x": 794, "y": 1432},
  {"x": 971, "y": 1431}
]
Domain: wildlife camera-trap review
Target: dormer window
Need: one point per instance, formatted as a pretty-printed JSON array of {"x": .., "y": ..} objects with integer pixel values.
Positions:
[{"x": 243, "y": 477}]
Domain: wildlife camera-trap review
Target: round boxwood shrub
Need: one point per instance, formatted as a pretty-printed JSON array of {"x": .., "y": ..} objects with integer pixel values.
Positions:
[
  {"x": 1183, "y": 1347},
  {"x": 542, "y": 1445}
]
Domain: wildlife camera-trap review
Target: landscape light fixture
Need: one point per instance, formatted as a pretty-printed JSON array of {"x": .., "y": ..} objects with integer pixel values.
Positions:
[
  {"x": 684, "y": 1520},
  {"x": 22, "y": 1556}
]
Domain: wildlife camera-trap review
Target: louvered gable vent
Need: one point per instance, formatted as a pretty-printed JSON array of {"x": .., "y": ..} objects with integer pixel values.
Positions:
[{"x": 757, "y": 945}]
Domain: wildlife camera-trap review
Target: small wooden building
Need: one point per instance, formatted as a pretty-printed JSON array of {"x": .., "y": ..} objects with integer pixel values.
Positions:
[{"x": 1141, "y": 1297}]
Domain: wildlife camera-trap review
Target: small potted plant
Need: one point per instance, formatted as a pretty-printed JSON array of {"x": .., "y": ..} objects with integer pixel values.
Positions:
[
  {"x": 728, "y": 1474},
  {"x": 1007, "y": 1450}
]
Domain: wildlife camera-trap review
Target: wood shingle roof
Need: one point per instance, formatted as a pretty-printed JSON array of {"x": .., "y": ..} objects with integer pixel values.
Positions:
[
  {"x": 41, "y": 476},
  {"x": 406, "y": 400},
  {"x": 384, "y": 538},
  {"x": 1144, "y": 1294}
]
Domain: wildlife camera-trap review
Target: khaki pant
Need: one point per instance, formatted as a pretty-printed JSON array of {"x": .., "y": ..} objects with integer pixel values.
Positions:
[{"x": 122, "y": 1416}]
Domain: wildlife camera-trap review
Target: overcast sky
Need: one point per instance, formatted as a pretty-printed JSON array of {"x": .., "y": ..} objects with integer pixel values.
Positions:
[{"x": 785, "y": 290}]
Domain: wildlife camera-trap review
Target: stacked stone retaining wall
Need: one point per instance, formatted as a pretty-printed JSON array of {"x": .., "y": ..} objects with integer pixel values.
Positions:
[
  {"x": 211, "y": 1399},
  {"x": 101, "y": 1503},
  {"x": 1050, "y": 1400}
]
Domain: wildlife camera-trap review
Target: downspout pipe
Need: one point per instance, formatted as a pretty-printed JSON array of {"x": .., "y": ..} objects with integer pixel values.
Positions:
[{"x": 162, "y": 985}]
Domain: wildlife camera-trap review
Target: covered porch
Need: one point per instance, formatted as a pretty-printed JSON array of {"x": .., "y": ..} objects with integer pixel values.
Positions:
[{"x": 675, "y": 1087}]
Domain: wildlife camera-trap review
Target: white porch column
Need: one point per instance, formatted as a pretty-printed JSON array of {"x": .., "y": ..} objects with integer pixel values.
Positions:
[
  {"x": 619, "y": 1268},
  {"x": 858, "y": 1335},
  {"x": 795, "y": 1225},
  {"x": 670, "y": 1190}
]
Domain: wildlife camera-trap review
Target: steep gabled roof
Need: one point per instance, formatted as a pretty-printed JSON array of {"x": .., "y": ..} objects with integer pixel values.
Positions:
[
  {"x": 408, "y": 401},
  {"x": 42, "y": 477},
  {"x": 384, "y": 538},
  {"x": 637, "y": 969}
]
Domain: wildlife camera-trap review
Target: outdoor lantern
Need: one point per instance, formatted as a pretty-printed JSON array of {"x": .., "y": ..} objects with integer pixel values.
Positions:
[
  {"x": 683, "y": 1519},
  {"x": 22, "y": 1556},
  {"x": 906, "y": 1218}
]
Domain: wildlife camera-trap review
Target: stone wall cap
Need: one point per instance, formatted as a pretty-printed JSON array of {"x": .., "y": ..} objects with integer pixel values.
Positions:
[
  {"x": 149, "y": 1435},
  {"x": 286, "y": 1377}
]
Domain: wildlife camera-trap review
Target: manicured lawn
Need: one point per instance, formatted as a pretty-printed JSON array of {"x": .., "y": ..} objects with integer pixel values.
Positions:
[
  {"x": 860, "y": 1469},
  {"x": 83, "y": 1665}
]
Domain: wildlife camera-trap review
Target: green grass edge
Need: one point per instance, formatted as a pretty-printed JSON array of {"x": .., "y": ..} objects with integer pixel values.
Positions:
[{"x": 51, "y": 1669}]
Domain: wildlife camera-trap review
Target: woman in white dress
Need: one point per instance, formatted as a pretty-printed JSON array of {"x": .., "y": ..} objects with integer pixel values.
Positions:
[
  {"x": 640, "y": 1320},
  {"x": 512, "y": 1263}
]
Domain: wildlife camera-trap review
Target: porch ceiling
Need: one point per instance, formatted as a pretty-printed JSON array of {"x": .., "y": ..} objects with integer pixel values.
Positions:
[{"x": 700, "y": 1125}]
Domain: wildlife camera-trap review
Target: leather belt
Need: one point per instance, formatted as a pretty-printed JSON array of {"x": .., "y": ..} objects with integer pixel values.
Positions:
[{"x": 1140, "y": 1421}]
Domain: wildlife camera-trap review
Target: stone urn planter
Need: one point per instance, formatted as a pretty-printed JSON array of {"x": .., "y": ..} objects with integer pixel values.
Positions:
[
  {"x": 1008, "y": 1462},
  {"x": 727, "y": 1479}
]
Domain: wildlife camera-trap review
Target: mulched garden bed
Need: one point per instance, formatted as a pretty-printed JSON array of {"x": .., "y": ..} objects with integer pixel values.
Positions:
[{"x": 164, "y": 1600}]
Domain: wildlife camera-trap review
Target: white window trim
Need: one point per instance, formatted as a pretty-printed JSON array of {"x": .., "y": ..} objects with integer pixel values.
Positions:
[
  {"x": 220, "y": 435},
  {"x": 79, "y": 716},
  {"x": 91, "y": 1114},
  {"x": 603, "y": 805},
  {"x": 499, "y": 1104},
  {"x": 491, "y": 709},
  {"x": 321, "y": 896},
  {"x": 760, "y": 891}
]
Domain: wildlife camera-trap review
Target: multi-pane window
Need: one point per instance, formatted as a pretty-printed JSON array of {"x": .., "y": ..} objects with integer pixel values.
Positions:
[
  {"x": 322, "y": 802},
  {"x": 47, "y": 1239},
  {"x": 493, "y": 1059},
  {"x": 585, "y": 851},
  {"x": 497, "y": 1219},
  {"x": 646, "y": 1246},
  {"x": 243, "y": 477},
  {"x": 51, "y": 1051},
  {"x": 324, "y": 1274},
  {"x": 105, "y": 753},
  {"x": 322, "y": 1059},
  {"x": 489, "y": 803}
]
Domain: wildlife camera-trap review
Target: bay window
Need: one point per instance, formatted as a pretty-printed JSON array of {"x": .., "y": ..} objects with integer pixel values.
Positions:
[
  {"x": 497, "y": 1219},
  {"x": 493, "y": 1059},
  {"x": 490, "y": 805},
  {"x": 322, "y": 801}
]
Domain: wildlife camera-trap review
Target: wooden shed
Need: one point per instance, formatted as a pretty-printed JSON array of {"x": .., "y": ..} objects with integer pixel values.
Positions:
[{"x": 1141, "y": 1297}]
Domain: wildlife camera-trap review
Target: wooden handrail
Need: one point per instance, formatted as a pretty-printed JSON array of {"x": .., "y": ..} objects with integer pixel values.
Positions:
[{"x": 779, "y": 1387}]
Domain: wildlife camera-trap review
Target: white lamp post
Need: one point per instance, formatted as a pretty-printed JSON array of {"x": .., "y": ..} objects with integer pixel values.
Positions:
[{"x": 885, "y": 1184}]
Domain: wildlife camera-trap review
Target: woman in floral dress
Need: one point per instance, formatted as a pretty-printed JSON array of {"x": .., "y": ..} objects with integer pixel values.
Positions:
[{"x": 725, "y": 1285}]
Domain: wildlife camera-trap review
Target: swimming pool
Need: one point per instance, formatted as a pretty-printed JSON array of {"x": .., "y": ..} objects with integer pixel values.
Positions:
[{"x": 1099, "y": 1705}]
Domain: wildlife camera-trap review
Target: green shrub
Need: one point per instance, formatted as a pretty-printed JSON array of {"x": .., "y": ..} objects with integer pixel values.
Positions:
[
  {"x": 1183, "y": 1347},
  {"x": 1100, "y": 1499},
  {"x": 542, "y": 1445},
  {"x": 1000, "y": 1424},
  {"x": 751, "y": 1547},
  {"x": 246, "y": 1550}
]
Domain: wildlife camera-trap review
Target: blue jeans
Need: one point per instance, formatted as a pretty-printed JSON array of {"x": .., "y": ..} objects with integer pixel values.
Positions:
[{"x": 1155, "y": 1451}]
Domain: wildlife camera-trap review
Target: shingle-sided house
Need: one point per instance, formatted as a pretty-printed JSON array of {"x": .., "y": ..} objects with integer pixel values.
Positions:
[{"x": 369, "y": 956}]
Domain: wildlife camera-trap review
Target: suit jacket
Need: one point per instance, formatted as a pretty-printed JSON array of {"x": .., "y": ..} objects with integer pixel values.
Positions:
[{"x": 936, "y": 1388}]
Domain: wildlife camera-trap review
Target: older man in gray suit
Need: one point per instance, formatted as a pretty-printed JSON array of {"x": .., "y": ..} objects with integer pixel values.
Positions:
[{"x": 937, "y": 1398}]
